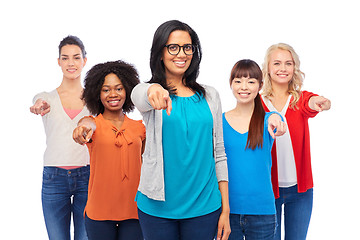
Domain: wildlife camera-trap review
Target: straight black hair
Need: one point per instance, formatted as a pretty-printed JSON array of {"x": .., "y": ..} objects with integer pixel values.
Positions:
[
  {"x": 72, "y": 40},
  {"x": 157, "y": 66}
]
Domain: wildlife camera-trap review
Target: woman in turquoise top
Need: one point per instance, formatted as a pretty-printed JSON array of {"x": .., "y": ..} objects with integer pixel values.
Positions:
[
  {"x": 248, "y": 138},
  {"x": 183, "y": 190}
]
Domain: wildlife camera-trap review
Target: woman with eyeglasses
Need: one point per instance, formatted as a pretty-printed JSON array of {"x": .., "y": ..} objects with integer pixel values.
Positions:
[{"x": 183, "y": 190}]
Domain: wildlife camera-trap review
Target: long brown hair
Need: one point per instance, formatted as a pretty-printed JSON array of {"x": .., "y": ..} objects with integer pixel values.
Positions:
[{"x": 249, "y": 69}]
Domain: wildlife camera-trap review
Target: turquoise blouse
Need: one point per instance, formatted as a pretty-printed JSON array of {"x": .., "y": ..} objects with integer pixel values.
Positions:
[{"x": 191, "y": 186}]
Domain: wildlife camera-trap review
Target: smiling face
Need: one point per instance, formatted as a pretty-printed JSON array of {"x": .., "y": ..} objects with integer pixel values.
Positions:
[
  {"x": 281, "y": 66},
  {"x": 113, "y": 94},
  {"x": 176, "y": 65},
  {"x": 71, "y": 62},
  {"x": 245, "y": 89}
]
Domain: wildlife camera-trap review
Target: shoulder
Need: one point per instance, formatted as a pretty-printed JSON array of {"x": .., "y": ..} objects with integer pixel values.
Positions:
[
  {"x": 211, "y": 93},
  {"x": 135, "y": 123},
  {"x": 209, "y": 89},
  {"x": 47, "y": 96}
]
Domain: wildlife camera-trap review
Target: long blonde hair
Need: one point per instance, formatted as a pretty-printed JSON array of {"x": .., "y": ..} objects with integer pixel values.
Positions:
[{"x": 295, "y": 83}]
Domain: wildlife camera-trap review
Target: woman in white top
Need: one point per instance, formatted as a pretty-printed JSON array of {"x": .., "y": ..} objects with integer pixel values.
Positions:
[{"x": 66, "y": 163}]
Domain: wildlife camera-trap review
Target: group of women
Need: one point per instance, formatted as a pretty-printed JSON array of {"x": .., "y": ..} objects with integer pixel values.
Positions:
[{"x": 193, "y": 172}]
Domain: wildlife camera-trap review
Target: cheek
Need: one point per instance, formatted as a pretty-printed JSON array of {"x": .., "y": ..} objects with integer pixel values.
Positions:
[
  {"x": 123, "y": 95},
  {"x": 291, "y": 71},
  {"x": 102, "y": 97}
]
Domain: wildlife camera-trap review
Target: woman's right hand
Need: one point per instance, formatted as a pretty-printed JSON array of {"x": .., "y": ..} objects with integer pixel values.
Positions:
[
  {"x": 40, "y": 107},
  {"x": 82, "y": 134},
  {"x": 159, "y": 98}
]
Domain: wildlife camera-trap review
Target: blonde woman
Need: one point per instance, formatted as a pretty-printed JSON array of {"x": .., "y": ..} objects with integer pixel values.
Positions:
[{"x": 291, "y": 169}]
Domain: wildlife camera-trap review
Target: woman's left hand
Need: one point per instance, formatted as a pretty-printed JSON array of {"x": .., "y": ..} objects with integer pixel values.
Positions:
[
  {"x": 223, "y": 227},
  {"x": 319, "y": 103}
]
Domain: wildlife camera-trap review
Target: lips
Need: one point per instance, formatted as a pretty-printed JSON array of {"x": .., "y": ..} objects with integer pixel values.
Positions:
[
  {"x": 114, "y": 103},
  {"x": 71, "y": 70},
  {"x": 180, "y": 63}
]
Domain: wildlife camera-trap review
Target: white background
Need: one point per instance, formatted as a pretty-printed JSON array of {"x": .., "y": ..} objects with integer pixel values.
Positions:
[{"x": 325, "y": 34}]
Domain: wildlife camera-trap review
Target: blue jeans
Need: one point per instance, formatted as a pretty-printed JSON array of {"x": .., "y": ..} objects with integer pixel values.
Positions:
[
  {"x": 297, "y": 212},
  {"x": 113, "y": 230},
  {"x": 199, "y": 228},
  {"x": 252, "y": 227},
  {"x": 64, "y": 192}
]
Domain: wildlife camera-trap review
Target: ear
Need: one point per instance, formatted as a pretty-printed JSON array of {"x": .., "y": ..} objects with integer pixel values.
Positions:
[
  {"x": 58, "y": 61},
  {"x": 85, "y": 60},
  {"x": 260, "y": 86}
]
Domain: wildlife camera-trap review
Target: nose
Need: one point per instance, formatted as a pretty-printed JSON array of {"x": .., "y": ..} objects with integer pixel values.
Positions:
[
  {"x": 71, "y": 62},
  {"x": 282, "y": 67},
  {"x": 113, "y": 93},
  {"x": 181, "y": 52},
  {"x": 244, "y": 85}
]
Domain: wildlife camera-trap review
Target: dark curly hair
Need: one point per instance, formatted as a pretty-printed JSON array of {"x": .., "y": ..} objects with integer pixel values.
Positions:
[{"x": 95, "y": 78}]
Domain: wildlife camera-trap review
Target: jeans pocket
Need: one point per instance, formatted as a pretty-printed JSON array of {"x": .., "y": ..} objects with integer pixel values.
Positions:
[{"x": 48, "y": 176}]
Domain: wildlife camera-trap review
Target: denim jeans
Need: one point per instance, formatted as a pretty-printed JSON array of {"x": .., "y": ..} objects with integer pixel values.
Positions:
[
  {"x": 64, "y": 192},
  {"x": 199, "y": 228},
  {"x": 252, "y": 227},
  {"x": 297, "y": 212},
  {"x": 113, "y": 230}
]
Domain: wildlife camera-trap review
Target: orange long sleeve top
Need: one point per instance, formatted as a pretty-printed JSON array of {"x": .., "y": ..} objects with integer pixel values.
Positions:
[{"x": 115, "y": 163}]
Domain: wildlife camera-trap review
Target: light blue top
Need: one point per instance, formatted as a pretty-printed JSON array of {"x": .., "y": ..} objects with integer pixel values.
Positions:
[
  {"x": 191, "y": 186},
  {"x": 152, "y": 182},
  {"x": 250, "y": 188}
]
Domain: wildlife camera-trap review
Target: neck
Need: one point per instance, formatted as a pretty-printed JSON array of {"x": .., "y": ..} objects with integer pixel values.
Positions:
[
  {"x": 70, "y": 84},
  {"x": 280, "y": 90},
  {"x": 175, "y": 81},
  {"x": 114, "y": 116},
  {"x": 181, "y": 89},
  {"x": 244, "y": 109}
]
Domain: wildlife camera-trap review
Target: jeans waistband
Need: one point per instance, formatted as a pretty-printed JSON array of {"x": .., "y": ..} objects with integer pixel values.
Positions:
[{"x": 63, "y": 172}]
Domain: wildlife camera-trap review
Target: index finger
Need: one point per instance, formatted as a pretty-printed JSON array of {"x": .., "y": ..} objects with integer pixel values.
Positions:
[{"x": 169, "y": 106}]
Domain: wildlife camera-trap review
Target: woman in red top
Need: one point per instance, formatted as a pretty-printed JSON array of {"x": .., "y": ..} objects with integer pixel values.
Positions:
[
  {"x": 115, "y": 148},
  {"x": 291, "y": 168}
]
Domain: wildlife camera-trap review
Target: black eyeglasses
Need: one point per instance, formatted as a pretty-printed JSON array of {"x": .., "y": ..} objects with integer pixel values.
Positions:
[{"x": 174, "y": 49}]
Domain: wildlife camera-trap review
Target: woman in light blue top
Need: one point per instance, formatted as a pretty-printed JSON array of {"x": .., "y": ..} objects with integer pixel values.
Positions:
[
  {"x": 248, "y": 139},
  {"x": 183, "y": 191}
]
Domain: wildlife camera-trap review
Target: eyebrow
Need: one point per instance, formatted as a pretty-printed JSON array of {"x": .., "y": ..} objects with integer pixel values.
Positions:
[
  {"x": 285, "y": 61},
  {"x": 64, "y": 55},
  {"x": 114, "y": 86}
]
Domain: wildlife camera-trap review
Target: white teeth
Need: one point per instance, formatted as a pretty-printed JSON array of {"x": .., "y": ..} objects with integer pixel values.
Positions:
[
  {"x": 180, "y": 62},
  {"x": 114, "y": 101}
]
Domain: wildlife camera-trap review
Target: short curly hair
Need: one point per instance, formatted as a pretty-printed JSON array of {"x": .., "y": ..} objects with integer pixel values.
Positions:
[{"x": 95, "y": 78}]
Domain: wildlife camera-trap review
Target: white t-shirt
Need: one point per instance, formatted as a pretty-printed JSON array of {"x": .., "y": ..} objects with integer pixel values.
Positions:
[
  {"x": 61, "y": 149},
  {"x": 284, "y": 151}
]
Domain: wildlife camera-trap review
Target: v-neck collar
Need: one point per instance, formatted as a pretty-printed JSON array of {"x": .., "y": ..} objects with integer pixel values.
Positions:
[
  {"x": 62, "y": 107},
  {"x": 271, "y": 107}
]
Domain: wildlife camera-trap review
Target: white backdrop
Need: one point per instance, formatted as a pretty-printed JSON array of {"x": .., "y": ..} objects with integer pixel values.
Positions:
[{"x": 324, "y": 33}]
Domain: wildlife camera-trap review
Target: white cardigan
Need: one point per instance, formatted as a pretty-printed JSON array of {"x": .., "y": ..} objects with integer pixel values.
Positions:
[{"x": 61, "y": 149}]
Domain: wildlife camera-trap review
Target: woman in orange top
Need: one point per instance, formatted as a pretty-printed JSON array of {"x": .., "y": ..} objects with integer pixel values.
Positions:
[{"x": 115, "y": 144}]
